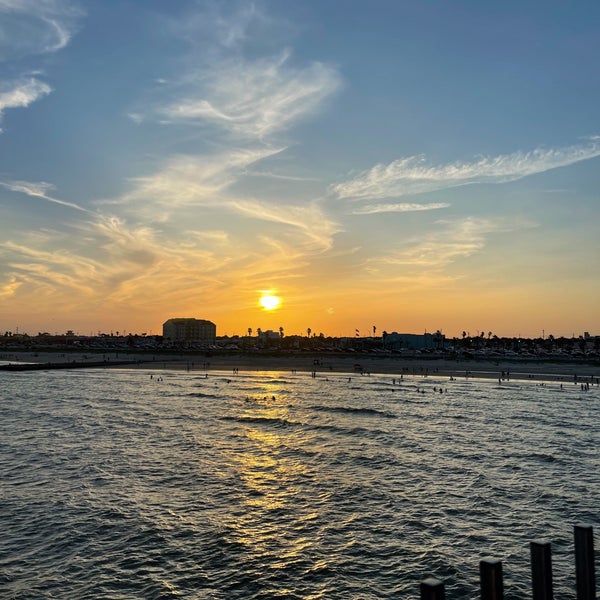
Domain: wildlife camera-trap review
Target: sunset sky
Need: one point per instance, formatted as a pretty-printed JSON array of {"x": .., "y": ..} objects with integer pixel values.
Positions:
[{"x": 412, "y": 165}]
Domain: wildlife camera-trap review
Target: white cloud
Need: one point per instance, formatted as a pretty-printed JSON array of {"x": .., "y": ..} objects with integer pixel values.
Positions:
[
  {"x": 212, "y": 28},
  {"x": 454, "y": 239},
  {"x": 36, "y": 26},
  {"x": 108, "y": 261},
  {"x": 255, "y": 99},
  {"x": 309, "y": 219},
  {"x": 190, "y": 180},
  {"x": 105, "y": 258},
  {"x": 211, "y": 236},
  {"x": 412, "y": 175},
  {"x": 38, "y": 189},
  {"x": 244, "y": 82},
  {"x": 229, "y": 31},
  {"x": 46, "y": 271},
  {"x": 20, "y": 94},
  {"x": 9, "y": 288},
  {"x": 270, "y": 175},
  {"x": 399, "y": 207}
]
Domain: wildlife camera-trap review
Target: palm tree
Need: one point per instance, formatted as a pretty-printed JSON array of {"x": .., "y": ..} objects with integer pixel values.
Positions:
[
  {"x": 464, "y": 339},
  {"x": 281, "y": 332},
  {"x": 249, "y": 331},
  {"x": 308, "y": 331}
]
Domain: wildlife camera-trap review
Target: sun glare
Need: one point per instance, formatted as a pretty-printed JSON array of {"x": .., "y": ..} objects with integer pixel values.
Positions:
[{"x": 269, "y": 302}]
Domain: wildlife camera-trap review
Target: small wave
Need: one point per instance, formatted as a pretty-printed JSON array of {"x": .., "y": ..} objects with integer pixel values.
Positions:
[
  {"x": 359, "y": 432},
  {"x": 536, "y": 456},
  {"x": 276, "y": 421},
  {"x": 355, "y": 411},
  {"x": 201, "y": 395},
  {"x": 117, "y": 490},
  {"x": 543, "y": 457}
]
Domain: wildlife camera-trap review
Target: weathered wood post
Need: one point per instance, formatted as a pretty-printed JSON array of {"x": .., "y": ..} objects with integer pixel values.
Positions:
[
  {"x": 490, "y": 575},
  {"x": 541, "y": 570},
  {"x": 432, "y": 589},
  {"x": 584, "y": 562}
]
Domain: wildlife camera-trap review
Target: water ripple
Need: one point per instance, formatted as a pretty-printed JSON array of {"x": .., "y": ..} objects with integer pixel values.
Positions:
[{"x": 116, "y": 485}]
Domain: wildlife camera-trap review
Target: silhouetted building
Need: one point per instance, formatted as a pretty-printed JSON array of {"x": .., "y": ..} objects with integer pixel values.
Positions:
[
  {"x": 411, "y": 341},
  {"x": 190, "y": 331}
]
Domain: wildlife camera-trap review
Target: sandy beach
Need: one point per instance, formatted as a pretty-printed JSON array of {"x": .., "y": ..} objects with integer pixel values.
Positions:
[{"x": 567, "y": 370}]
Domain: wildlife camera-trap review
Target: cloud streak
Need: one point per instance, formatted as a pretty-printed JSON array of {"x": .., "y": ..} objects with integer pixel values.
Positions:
[
  {"x": 36, "y": 26},
  {"x": 38, "y": 189},
  {"x": 413, "y": 175},
  {"x": 372, "y": 209}
]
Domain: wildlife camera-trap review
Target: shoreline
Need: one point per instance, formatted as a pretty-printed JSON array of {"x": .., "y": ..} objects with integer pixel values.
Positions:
[{"x": 518, "y": 369}]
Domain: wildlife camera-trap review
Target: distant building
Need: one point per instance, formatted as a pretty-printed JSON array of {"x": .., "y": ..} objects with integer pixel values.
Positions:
[
  {"x": 411, "y": 341},
  {"x": 190, "y": 331},
  {"x": 269, "y": 334}
]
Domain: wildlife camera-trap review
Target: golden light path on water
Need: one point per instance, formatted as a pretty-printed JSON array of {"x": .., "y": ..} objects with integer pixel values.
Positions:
[{"x": 270, "y": 480}]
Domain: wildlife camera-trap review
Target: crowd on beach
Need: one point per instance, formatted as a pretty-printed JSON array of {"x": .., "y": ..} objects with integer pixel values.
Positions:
[{"x": 580, "y": 372}]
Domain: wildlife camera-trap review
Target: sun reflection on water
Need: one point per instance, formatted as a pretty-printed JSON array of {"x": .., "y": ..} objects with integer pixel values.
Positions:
[{"x": 274, "y": 522}]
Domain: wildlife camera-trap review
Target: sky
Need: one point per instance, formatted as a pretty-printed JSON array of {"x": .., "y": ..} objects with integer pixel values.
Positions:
[{"x": 408, "y": 166}]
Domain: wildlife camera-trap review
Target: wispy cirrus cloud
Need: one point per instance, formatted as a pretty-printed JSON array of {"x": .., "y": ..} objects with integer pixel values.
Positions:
[
  {"x": 189, "y": 180},
  {"x": 217, "y": 26},
  {"x": 135, "y": 246},
  {"x": 46, "y": 271},
  {"x": 372, "y": 209},
  {"x": 30, "y": 27},
  {"x": 9, "y": 287},
  {"x": 244, "y": 82},
  {"x": 110, "y": 261},
  {"x": 451, "y": 241},
  {"x": 36, "y": 26},
  {"x": 460, "y": 239},
  {"x": 309, "y": 219},
  {"x": 281, "y": 176},
  {"x": 413, "y": 175},
  {"x": 38, "y": 189},
  {"x": 21, "y": 93},
  {"x": 106, "y": 257},
  {"x": 254, "y": 99}
]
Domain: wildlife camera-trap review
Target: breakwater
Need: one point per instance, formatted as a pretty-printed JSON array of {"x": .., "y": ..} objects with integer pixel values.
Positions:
[{"x": 39, "y": 366}]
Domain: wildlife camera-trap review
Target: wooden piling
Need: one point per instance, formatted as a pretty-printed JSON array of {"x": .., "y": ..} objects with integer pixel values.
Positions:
[
  {"x": 432, "y": 589},
  {"x": 541, "y": 570},
  {"x": 490, "y": 575},
  {"x": 584, "y": 562}
]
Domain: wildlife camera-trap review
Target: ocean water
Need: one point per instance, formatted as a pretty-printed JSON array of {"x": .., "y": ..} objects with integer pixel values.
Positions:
[{"x": 262, "y": 485}]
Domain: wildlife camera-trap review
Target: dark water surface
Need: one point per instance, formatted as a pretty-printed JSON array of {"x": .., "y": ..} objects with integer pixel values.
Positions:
[{"x": 115, "y": 485}]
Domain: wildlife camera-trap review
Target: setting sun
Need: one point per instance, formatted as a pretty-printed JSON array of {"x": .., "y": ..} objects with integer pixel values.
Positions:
[{"x": 270, "y": 302}]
